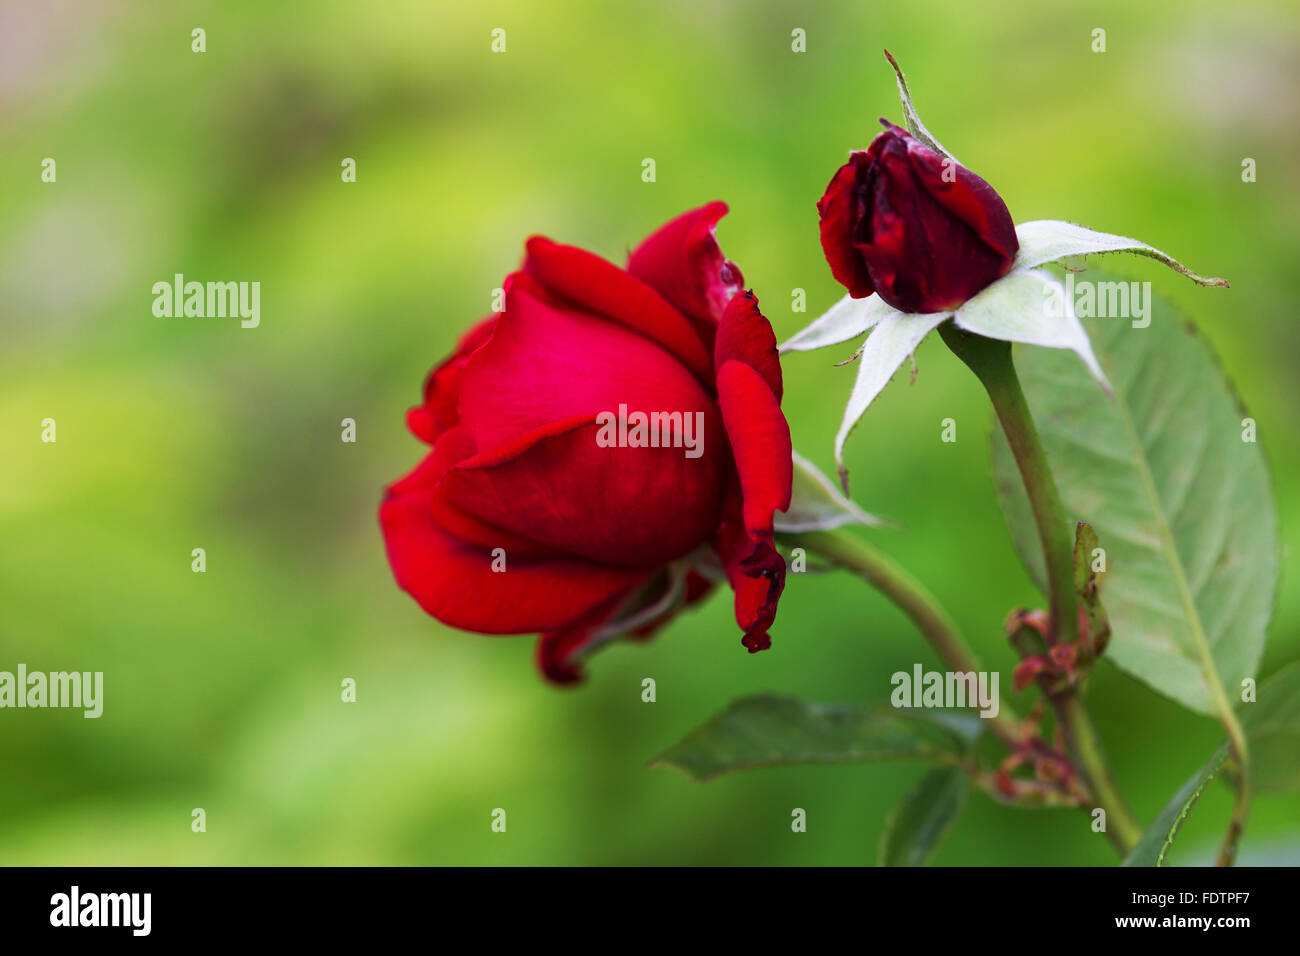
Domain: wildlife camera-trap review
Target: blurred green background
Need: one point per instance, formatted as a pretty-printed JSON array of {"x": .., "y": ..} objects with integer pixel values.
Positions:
[{"x": 222, "y": 689}]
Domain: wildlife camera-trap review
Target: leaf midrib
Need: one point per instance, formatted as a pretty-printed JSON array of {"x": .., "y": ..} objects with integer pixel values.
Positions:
[{"x": 1208, "y": 669}]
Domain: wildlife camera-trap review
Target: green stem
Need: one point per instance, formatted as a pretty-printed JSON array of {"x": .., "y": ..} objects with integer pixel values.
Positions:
[
  {"x": 990, "y": 360},
  {"x": 911, "y": 597},
  {"x": 1122, "y": 828},
  {"x": 1241, "y": 806}
]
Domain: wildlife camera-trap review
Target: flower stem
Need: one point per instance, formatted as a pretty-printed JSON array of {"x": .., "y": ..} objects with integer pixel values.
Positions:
[
  {"x": 990, "y": 360},
  {"x": 1122, "y": 828},
  {"x": 911, "y": 597},
  {"x": 1241, "y": 805}
]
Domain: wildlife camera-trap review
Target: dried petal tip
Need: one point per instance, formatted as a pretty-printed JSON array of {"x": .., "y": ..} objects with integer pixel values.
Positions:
[{"x": 897, "y": 69}]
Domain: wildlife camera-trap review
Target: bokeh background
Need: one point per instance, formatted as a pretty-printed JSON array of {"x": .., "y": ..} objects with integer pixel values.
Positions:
[{"x": 222, "y": 689}]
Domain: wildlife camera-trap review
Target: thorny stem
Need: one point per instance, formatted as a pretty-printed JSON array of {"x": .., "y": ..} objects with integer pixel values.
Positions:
[{"x": 990, "y": 360}]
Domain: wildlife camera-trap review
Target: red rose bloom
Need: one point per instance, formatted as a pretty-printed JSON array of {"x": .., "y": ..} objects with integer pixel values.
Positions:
[
  {"x": 921, "y": 231},
  {"x": 525, "y": 516}
]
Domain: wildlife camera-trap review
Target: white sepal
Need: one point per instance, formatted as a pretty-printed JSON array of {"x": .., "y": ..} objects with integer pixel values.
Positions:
[
  {"x": 846, "y": 319},
  {"x": 816, "y": 504},
  {"x": 888, "y": 346},
  {"x": 1034, "y": 308},
  {"x": 1050, "y": 240}
]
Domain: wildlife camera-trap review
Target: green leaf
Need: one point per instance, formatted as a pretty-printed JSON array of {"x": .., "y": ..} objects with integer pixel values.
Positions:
[
  {"x": 1155, "y": 843},
  {"x": 918, "y": 824},
  {"x": 1272, "y": 726},
  {"x": 769, "y": 730},
  {"x": 1182, "y": 503}
]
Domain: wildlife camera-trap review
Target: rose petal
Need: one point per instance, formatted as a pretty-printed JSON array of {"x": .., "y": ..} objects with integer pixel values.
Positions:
[
  {"x": 602, "y": 287},
  {"x": 454, "y": 580},
  {"x": 626, "y": 507},
  {"x": 758, "y": 592},
  {"x": 546, "y": 364},
  {"x": 557, "y": 650},
  {"x": 683, "y": 262},
  {"x": 653, "y": 604},
  {"x": 837, "y": 213},
  {"x": 745, "y": 335},
  {"x": 967, "y": 196},
  {"x": 760, "y": 442},
  {"x": 442, "y": 387},
  {"x": 757, "y": 576}
]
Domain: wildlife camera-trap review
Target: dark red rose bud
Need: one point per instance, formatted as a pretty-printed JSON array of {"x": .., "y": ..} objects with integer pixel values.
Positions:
[{"x": 921, "y": 231}]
